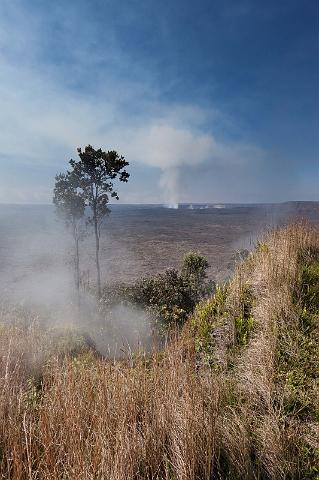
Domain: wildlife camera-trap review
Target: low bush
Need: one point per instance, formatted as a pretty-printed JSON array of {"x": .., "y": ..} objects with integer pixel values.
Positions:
[{"x": 170, "y": 296}]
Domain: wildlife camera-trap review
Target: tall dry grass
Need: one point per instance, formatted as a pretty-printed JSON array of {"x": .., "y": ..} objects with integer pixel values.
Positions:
[
  {"x": 274, "y": 365},
  {"x": 89, "y": 418},
  {"x": 172, "y": 416}
]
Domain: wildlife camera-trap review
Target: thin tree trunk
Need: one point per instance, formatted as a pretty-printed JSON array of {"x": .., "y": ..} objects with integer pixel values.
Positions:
[
  {"x": 77, "y": 268},
  {"x": 97, "y": 256}
]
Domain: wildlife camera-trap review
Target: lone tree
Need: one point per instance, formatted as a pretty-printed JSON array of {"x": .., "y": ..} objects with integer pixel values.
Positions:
[
  {"x": 70, "y": 207},
  {"x": 93, "y": 175}
]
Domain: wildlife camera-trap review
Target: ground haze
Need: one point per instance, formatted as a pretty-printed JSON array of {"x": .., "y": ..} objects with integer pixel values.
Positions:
[{"x": 137, "y": 240}]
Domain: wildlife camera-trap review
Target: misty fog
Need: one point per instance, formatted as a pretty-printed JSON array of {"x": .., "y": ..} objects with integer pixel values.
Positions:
[{"x": 36, "y": 258}]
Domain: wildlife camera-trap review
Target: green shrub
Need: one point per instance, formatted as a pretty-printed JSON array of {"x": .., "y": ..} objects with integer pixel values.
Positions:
[{"x": 170, "y": 296}]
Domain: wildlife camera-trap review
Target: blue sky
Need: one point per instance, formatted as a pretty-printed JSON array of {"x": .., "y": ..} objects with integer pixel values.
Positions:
[{"x": 210, "y": 101}]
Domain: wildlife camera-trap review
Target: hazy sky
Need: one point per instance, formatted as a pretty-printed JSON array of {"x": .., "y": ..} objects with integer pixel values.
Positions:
[{"x": 208, "y": 100}]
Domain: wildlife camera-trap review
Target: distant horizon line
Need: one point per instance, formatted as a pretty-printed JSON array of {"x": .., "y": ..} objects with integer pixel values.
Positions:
[{"x": 167, "y": 204}]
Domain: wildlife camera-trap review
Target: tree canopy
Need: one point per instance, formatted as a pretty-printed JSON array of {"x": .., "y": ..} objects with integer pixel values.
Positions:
[{"x": 94, "y": 174}]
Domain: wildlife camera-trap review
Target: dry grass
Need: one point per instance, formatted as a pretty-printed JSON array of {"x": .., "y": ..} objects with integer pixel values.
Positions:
[
  {"x": 182, "y": 414},
  {"x": 89, "y": 418}
]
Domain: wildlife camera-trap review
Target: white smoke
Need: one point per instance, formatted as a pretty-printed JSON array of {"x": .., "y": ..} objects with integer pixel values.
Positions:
[
  {"x": 176, "y": 146},
  {"x": 170, "y": 186},
  {"x": 37, "y": 276},
  {"x": 170, "y": 148}
]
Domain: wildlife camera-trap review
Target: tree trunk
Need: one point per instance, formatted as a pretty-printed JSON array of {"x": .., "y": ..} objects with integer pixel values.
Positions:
[
  {"x": 77, "y": 267},
  {"x": 97, "y": 256}
]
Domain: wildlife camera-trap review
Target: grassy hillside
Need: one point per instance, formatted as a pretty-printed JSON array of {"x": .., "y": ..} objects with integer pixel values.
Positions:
[{"x": 234, "y": 396}]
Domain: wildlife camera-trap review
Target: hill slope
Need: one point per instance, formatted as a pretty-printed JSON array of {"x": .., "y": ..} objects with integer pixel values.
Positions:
[{"x": 261, "y": 334}]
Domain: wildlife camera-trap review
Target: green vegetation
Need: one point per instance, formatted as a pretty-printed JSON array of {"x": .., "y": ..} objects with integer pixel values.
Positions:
[
  {"x": 170, "y": 296},
  {"x": 207, "y": 318},
  {"x": 298, "y": 361},
  {"x": 244, "y": 322},
  {"x": 282, "y": 319},
  {"x": 223, "y": 325}
]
